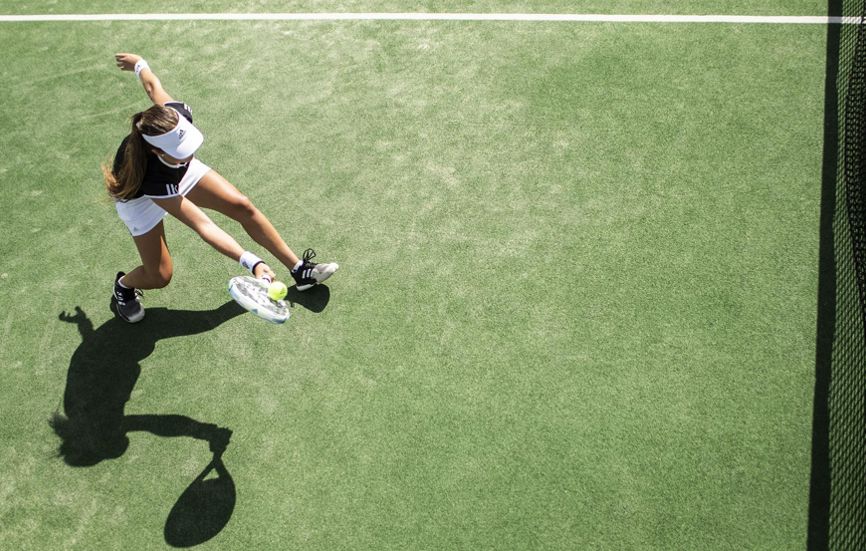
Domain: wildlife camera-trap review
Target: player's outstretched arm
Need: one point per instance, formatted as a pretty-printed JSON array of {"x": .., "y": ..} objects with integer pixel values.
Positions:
[
  {"x": 151, "y": 83},
  {"x": 187, "y": 212}
]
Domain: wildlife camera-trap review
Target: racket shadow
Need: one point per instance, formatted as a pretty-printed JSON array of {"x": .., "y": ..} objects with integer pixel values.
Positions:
[
  {"x": 204, "y": 508},
  {"x": 314, "y": 299}
]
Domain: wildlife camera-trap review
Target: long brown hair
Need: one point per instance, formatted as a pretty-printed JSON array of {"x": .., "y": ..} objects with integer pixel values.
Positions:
[{"x": 125, "y": 183}]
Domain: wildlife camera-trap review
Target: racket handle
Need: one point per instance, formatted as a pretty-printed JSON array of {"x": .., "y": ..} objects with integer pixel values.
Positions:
[{"x": 267, "y": 278}]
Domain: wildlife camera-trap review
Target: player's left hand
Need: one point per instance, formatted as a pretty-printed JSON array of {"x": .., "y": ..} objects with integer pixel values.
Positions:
[{"x": 126, "y": 62}]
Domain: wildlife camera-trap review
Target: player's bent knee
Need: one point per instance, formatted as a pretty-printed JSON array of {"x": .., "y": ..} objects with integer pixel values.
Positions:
[
  {"x": 161, "y": 277},
  {"x": 242, "y": 208},
  {"x": 165, "y": 277}
]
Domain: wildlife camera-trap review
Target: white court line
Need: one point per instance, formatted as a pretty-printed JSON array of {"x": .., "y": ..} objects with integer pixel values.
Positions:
[{"x": 735, "y": 19}]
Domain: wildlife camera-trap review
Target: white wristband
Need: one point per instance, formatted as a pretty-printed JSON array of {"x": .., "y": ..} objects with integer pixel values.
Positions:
[
  {"x": 140, "y": 66},
  {"x": 250, "y": 261}
]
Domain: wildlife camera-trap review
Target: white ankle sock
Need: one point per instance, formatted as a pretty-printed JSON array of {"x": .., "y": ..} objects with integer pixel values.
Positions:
[
  {"x": 298, "y": 265},
  {"x": 120, "y": 282}
]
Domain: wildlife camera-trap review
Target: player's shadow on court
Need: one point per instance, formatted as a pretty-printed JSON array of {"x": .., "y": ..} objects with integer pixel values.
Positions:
[
  {"x": 314, "y": 299},
  {"x": 102, "y": 373}
]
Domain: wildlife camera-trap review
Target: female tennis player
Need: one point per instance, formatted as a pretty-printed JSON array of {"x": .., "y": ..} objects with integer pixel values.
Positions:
[{"x": 155, "y": 172}]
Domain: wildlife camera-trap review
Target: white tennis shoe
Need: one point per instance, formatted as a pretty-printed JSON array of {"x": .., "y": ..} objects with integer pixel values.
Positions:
[{"x": 311, "y": 273}]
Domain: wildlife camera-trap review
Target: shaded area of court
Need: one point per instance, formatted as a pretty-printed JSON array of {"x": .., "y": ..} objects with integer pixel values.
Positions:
[{"x": 837, "y": 512}]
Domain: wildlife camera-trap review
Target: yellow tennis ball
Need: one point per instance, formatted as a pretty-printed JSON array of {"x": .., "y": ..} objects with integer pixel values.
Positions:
[{"x": 277, "y": 290}]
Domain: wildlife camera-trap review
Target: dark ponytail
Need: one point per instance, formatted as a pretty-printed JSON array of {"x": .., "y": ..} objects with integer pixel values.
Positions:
[{"x": 125, "y": 183}]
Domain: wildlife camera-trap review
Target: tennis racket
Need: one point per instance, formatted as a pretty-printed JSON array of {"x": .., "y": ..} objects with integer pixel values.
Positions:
[{"x": 252, "y": 294}]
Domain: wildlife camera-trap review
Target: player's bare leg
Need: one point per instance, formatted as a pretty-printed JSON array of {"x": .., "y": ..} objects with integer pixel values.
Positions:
[
  {"x": 154, "y": 273},
  {"x": 216, "y": 193},
  {"x": 156, "y": 266}
]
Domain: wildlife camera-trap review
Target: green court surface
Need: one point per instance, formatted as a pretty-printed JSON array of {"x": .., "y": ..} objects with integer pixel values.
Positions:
[
  {"x": 738, "y": 7},
  {"x": 576, "y": 306}
]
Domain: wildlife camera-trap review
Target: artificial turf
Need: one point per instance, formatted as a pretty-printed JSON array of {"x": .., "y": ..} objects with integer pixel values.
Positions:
[{"x": 576, "y": 307}]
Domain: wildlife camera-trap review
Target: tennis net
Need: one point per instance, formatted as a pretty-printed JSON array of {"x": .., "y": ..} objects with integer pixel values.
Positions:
[{"x": 837, "y": 516}]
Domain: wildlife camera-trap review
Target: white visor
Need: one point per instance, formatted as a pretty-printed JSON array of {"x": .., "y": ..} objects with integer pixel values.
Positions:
[{"x": 180, "y": 142}]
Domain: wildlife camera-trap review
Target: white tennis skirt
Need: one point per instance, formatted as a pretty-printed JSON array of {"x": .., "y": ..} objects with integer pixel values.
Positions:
[{"x": 142, "y": 215}]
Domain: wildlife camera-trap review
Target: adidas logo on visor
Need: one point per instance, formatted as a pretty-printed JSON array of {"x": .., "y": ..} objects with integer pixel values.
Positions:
[{"x": 180, "y": 142}]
